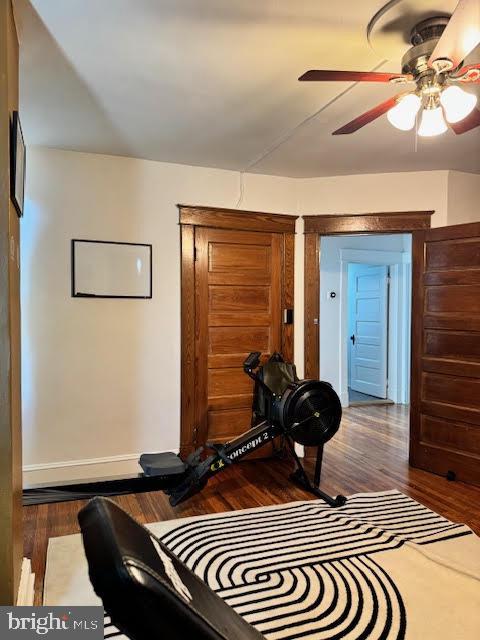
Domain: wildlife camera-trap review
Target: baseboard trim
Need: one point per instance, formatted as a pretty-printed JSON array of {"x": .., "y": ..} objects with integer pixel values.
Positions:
[
  {"x": 82, "y": 469},
  {"x": 80, "y": 463}
]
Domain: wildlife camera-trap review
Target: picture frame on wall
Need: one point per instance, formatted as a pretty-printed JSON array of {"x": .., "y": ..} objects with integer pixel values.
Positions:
[
  {"x": 17, "y": 164},
  {"x": 110, "y": 269}
]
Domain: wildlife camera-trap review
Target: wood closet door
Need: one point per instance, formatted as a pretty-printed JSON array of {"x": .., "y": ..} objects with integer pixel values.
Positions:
[
  {"x": 238, "y": 288},
  {"x": 445, "y": 412}
]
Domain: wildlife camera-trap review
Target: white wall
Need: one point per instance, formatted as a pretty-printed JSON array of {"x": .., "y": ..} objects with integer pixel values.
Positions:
[
  {"x": 371, "y": 193},
  {"x": 365, "y": 193},
  {"x": 101, "y": 378},
  {"x": 463, "y": 197},
  {"x": 333, "y": 351}
]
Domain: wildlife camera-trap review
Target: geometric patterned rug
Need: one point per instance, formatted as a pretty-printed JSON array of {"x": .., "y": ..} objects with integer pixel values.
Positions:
[
  {"x": 382, "y": 567},
  {"x": 305, "y": 570}
]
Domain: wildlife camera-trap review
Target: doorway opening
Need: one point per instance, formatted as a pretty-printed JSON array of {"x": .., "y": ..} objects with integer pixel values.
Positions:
[{"x": 365, "y": 316}]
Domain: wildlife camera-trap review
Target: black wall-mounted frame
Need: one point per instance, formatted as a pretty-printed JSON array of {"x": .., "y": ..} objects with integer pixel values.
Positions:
[
  {"x": 77, "y": 294},
  {"x": 17, "y": 164}
]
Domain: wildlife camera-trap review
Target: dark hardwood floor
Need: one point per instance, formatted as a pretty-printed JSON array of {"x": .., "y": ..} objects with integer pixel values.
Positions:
[{"x": 369, "y": 453}]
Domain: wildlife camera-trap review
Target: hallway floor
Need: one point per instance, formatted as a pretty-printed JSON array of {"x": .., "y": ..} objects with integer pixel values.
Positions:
[{"x": 356, "y": 398}]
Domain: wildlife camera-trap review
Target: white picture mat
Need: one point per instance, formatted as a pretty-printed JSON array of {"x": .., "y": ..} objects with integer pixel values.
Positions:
[
  {"x": 111, "y": 269},
  {"x": 20, "y": 168}
]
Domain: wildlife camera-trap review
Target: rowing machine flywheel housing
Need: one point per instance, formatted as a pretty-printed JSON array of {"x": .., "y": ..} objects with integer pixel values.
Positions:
[{"x": 310, "y": 411}]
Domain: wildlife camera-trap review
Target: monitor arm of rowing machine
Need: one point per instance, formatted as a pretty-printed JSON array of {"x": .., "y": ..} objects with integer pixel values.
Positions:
[
  {"x": 250, "y": 365},
  {"x": 252, "y": 361}
]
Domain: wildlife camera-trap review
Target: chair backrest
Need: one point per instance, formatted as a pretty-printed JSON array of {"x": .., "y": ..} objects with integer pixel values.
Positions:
[{"x": 146, "y": 590}]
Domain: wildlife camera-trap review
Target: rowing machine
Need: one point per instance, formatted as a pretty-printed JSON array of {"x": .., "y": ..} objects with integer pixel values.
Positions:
[{"x": 304, "y": 411}]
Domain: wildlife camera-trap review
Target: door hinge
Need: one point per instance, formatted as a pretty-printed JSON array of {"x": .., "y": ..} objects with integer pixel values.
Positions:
[{"x": 195, "y": 435}]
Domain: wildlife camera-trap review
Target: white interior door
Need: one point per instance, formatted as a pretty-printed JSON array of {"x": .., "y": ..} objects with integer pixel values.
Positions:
[{"x": 368, "y": 311}]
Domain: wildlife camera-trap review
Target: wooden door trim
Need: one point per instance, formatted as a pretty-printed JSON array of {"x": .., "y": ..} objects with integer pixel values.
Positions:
[
  {"x": 314, "y": 227},
  {"x": 418, "y": 290},
  {"x": 384, "y": 222},
  {"x": 187, "y": 389},
  {"x": 233, "y": 220}
]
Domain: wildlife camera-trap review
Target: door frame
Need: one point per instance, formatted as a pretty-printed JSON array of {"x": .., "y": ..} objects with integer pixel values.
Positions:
[
  {"x": 349, "y": 224},
  {"x": 190, "y": 217}
]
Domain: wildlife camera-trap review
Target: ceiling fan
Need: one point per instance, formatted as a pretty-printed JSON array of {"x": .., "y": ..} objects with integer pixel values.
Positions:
[{"x": 435, "y": 64}]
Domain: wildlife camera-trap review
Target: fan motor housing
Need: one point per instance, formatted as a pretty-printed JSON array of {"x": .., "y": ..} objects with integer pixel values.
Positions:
[{"x": 424, "y": 38}]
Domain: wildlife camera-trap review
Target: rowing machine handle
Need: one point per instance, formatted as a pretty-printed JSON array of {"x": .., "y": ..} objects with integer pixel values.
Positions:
[{"x": 252, "y": 360}]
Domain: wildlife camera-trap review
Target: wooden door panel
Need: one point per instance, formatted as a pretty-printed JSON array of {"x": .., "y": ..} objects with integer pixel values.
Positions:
[
  {"x": 244, "y": 257},
  {"x": 452, "y": 277},
  {"x": 462, "y": 368},
  {"x": 463, "y": 392},
  {"x": 453, "y": 254},
  {"x": 226, "y": 425},
  {"x": 237, "y": 277},
  {"x": 238, "y": 292},
  {"x": 239, "y": 298},
  {"x": 228, "y": 382},
  {"x": 441, "y": 461},
  {"x": 457, "y": 345},
  {"x": 226, "y": 340},
  {"x": 445, "y": 412},
  {"x": 450, "y": 412},
  {"x": 453, "y": 321},
  {"x": 250, "y": 238},
  {"x": 455, "y": 436},
  {"x": 453, "y": 298},
  {"x": 230, "y": 402},
  {"x": 229, "y": 360},
  {"x": 233, "y": 319}
]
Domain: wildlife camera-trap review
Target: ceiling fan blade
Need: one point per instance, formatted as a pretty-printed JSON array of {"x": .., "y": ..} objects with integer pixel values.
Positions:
[
  {"x": 469, "y": 73},
  {"x": 467, "y": 124},
  {"x": 315, "y": 75},
  {"x": 461, "y": 35},
  {"x": 367, "y": 117}
]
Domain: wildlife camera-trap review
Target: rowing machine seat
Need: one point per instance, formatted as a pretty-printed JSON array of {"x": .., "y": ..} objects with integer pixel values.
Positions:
[
  {"x": 162, "y": 464},
  {"x": 147, "y": 591}
]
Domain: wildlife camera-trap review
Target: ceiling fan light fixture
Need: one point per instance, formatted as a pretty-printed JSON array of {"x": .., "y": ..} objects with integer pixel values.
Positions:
[
  {"x": 403, "y": 114},
  {"x": 457, "y": 103},
  {"x": 432, "y": 123}
]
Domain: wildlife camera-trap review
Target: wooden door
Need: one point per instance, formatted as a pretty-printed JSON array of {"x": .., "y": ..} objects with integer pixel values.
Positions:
[
  {"x": 445, "y": 412},
  {"x": 238, "y": 308}
]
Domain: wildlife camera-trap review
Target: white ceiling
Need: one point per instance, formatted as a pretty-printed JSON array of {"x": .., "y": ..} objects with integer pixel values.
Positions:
[{"x": 214, "y": 83}]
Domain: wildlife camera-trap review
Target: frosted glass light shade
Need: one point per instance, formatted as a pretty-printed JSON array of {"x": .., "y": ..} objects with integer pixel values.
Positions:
[
  {"x": 403, "y": 114},
  {"x": 432, "y": 123},
  {"x": 457, "y": 103}
]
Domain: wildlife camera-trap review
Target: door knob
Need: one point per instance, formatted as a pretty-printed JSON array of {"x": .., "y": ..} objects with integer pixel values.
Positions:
[{"x": 352, "y": 338}]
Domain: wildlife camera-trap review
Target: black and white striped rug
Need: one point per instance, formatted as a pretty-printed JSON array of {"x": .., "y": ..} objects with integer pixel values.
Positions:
[{"x": 376, "y": 568}]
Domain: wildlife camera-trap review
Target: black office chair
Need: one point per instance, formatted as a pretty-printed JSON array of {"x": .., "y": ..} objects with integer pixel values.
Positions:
[{"x": 147, "y": 591}]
